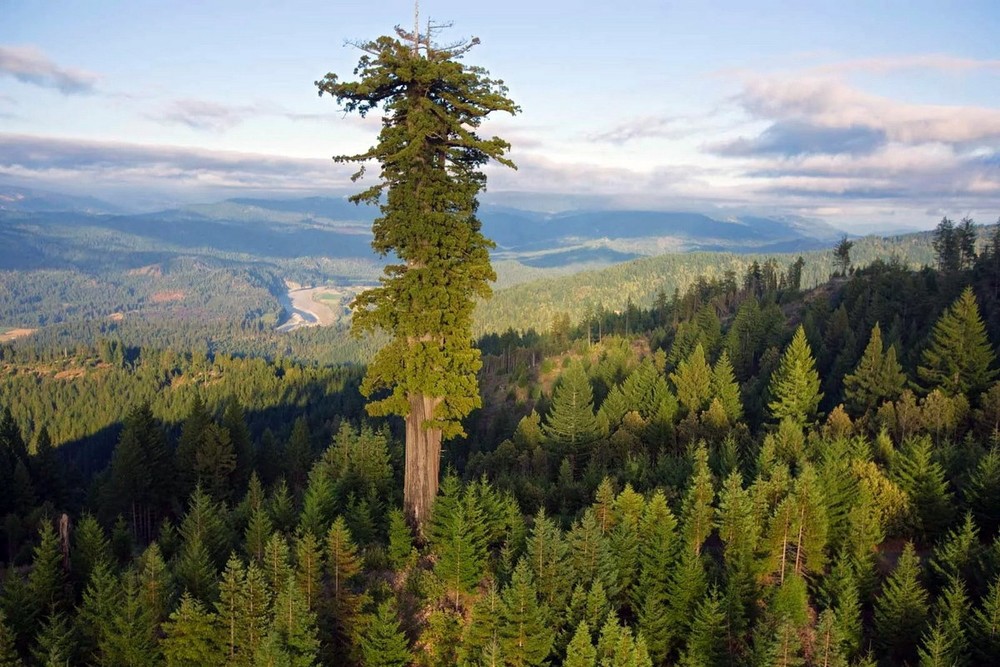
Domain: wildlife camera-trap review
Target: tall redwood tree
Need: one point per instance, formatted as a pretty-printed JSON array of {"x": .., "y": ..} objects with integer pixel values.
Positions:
[{"x": 430, "y": 157}]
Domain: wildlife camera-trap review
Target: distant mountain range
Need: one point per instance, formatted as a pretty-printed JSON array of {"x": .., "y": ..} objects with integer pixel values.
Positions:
[{"x": 43, "y": 229}]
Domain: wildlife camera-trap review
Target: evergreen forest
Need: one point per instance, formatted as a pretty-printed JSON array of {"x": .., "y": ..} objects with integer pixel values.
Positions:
[{"x": 746, "y": 472}]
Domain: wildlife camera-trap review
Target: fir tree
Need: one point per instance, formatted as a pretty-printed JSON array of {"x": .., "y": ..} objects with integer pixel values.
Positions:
[
  {"x": 55, "y": 641},
  {"x": 47, "y": 579},
  {"x": 960, "y": 356},
  {"x": 706, "y": 645},
  {"x": 901, "y": 610},
  {"x": 293, "y": 628},
  {"x": 526, "y": 637},
  {"x": 215, "y": 462},
  {"x": 726, "y": 389},
  {"x": 546, "y": 553},
  {"x": 90, "y": 548},
  {"x": 483, "y": 628},
  {"x": 794, "y": 386},
  {"x": 308, "y": 568},
  {"x": 923, "y": 480},
  {"x": 192, "y": 637},
  {"x": 581, "y": 651},
  {"x": 400, "y": 540},
  {"x": 878, "y": 376},
  {"x": 456, "y": 534},
  {"x": 693, "y": 380},
  {"x": 8, "y": 652},
  {"x": 985, "y": 627},
  {"x": 384, "y": 644},
  {"x": 571, "y": 421}
]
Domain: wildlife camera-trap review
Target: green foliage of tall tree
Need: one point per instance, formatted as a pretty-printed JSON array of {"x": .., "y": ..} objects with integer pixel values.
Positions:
[
  {"x": 794, "y": 386},
  {"x": 984, "y": 627},
  {"x": 571, "y": 421},
  {"x": 901, "y": 611},
  {"x": 430, "y": 157},
  {"x": 960, "y": 357},
  {"x": 292, "y": 638},
  {"x": 47, "y": 579},
  {"x": 878, "y": 376}
]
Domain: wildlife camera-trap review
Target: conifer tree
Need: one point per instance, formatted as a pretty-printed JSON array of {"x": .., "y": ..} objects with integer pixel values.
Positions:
[
  {"x": 878, "y": 376},
  {"x": 829, "y": 649},
  {"x": 192, "y": 637},
  {"x": 90, "y": 547},
  {"x": 254, "y": 611},
  {"x": 706, "y": 644},
  {"x": 985, "y": 627},
  {"x": 298, "y": 454},
  {"x": 483, "y": 628},
  {"x": 156, "y": 586},
  {"x": 102, "y": 598},
  {"x": 342, "y": 566},
  {"x": 130, "y": 640},
  {"x": 384, "y": 644},
  {"x": 657, "y": 554},
  {"x": 571, "y": 421},
  {"x": 319, "y": 504},
  {"x": 400, "y": 540},
  {"x": 457, "y": 537},
  {"x": 430, "y": 155},
  {"x": 234, "y": 422},
  {"x": 923, "y": 480},
  {"x": 55, "y": 643},
  {"x": 8, "y": 652},
  {"x": 693, "y": 380},
  {"x": 726, "y": 389},
  {"x": 982, "y": 492},
  {"x": 526, "y": 636},
  {"x": 901, "y": 610},
  {"x": 293, "y": 628},
  {"x": 276, "y": 567},
  {"x": 215, "y": 462},
  {"x": 581, "y": 651},
  {"x": 47, "y": 579},
  {"x": 794, "y": 386},
  {"x": 258, "y": 531},
  {"x": 546, "y": 553},
  {"x": 960, "y": 357},
  {"x": 188, "y": 444},
  {"x": 228, "y": 608},
  {"x": 308, "y": 568},
  {"x": 696, "y": 512}
]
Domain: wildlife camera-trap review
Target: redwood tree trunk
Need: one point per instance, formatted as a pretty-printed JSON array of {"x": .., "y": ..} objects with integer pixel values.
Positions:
[{"x": 423, "y": 461}]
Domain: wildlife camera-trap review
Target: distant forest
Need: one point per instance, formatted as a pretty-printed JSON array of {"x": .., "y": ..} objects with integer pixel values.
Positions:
[{"x": 745, "y": 466}]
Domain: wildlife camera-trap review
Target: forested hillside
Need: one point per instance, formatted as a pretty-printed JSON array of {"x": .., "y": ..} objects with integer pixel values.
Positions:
[{"x": 746, "y": 470}]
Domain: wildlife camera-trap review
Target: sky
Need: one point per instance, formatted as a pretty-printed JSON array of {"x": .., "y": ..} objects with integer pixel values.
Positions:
[{"x": 869, "y": 116}]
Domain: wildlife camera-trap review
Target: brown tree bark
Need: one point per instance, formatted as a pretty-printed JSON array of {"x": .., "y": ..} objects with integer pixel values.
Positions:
[{"x": 423, "y": 461}]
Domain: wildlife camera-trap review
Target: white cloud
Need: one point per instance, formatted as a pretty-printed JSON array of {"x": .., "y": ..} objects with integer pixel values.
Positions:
[{"x": 29, "y": 64}]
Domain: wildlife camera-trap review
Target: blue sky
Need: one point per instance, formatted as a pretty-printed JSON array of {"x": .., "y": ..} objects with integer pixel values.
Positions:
[{"x": 868, "y": 116}]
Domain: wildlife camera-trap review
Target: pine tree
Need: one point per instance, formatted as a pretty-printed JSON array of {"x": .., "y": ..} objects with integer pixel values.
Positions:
[
  {"x": 192, "y": 637},
  {"x": 571, "y": 421},
  {"x": 156, "y": 586},
  {"x": 254, "y": 611},
  {"x": 298, "y": 454},
  {"x": 982, "y": 492},
  {"x": 794, "y": 386},
  {"x": 228, "y": 608},
  {"x": 320, "y": 502},
  {"x": 342, "y": 566},
  {"x": 258, "y": 531},
  {"x": 526, "y": 637},
  {"x": 878, "y": 376},
  {"x": 308, "y": 568},
  {"x": 276, "y": 566},
  {"x": 430, "y": 155},
  {"x": 696, "y": 512},
  {"x": 234, "y": 422},
  {"x": 101, "y": 601},
  {"x": 960, "y": 356},
  {"x": 188, "y": 444},
  {"x": 829, "y": 644},
  {"x": 901, "y": 611},
  {"x": 384, "y": 644}
]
